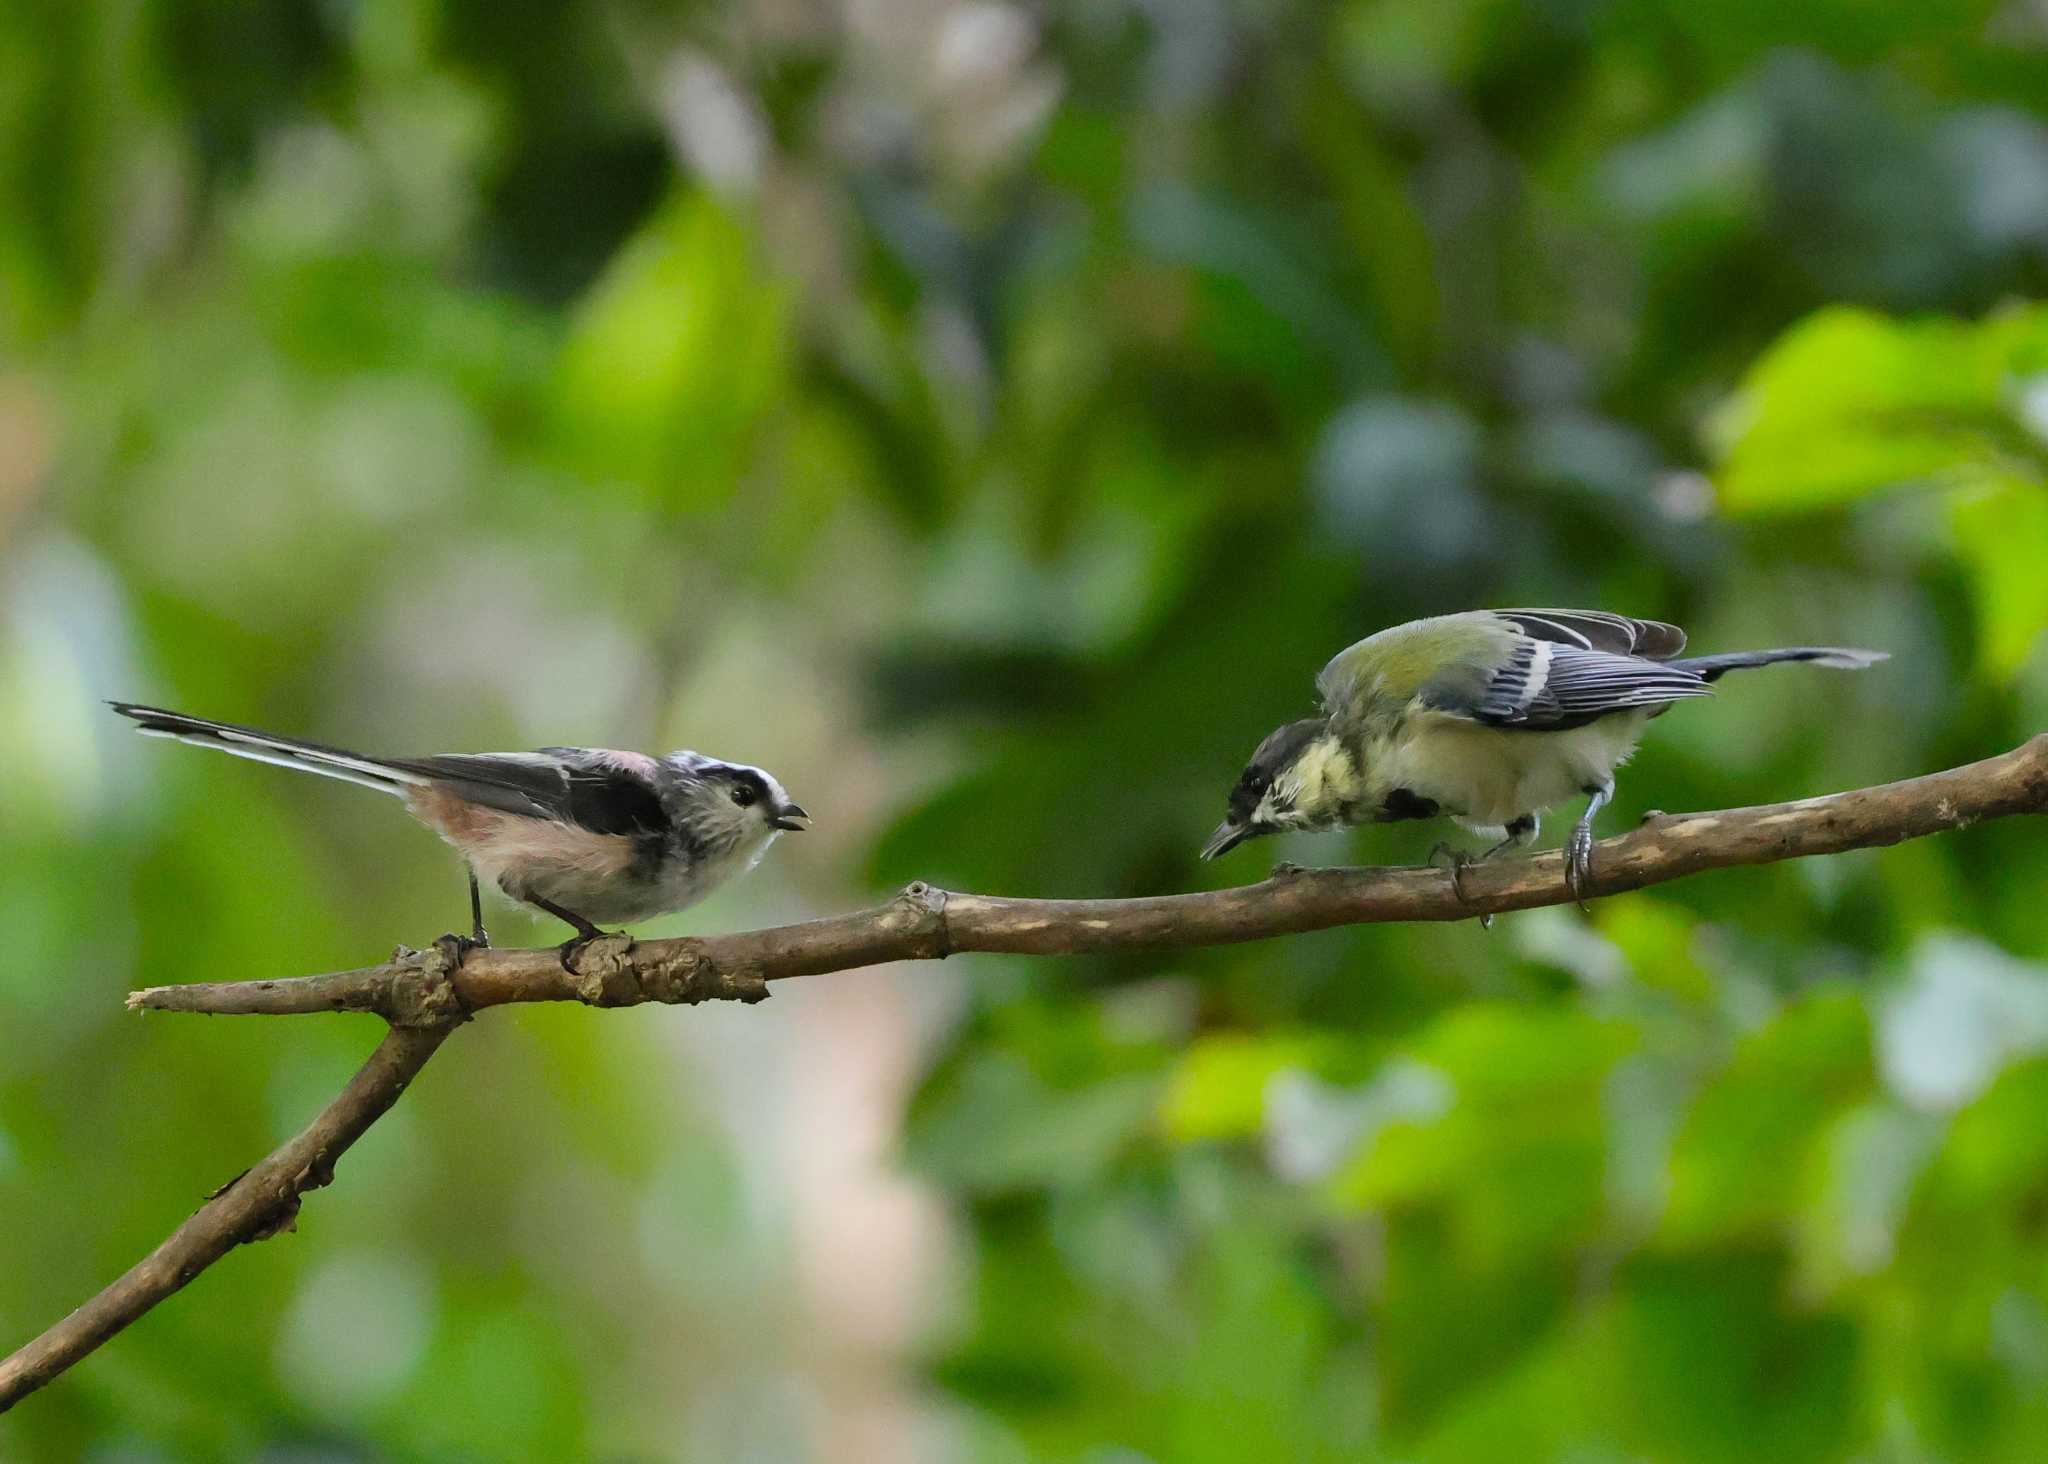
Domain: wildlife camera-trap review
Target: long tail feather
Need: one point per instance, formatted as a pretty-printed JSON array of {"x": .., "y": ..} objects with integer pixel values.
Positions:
[
  {"x": 268, "y": 747},
  {"x": 1841, "y": 658}
]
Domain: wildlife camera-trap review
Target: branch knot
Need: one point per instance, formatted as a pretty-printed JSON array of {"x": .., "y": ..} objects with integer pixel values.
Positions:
[
  {"x": 925, "y": 905},
  {"x": 680, "y": 977},
  {"x": 422, "y": 991},
  {"x": 602, "y": 973}
]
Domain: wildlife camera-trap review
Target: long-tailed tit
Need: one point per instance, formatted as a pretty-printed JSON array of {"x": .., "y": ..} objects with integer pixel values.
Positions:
[{"x": 584, "y": 833}]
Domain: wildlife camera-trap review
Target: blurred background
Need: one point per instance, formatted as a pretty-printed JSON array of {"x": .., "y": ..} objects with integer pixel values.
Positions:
[{"x": 988, "y": 416}]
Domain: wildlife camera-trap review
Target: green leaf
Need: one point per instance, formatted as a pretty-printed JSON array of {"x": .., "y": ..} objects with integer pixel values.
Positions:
[
  {"x": 679, "y": 350},
  {"x": 1517, "y": 1156},
  {"x": 2001, "y": 532},
  {"x": 1850, "y": 402},
  {"x": 1867, "y": 1164},
  {"x": 1740, "y": 1161},
  {"x": 1657, "y": 937},
  {"x": 1003, "y": 1129},
  {"x": 1218, "y": 1089}
]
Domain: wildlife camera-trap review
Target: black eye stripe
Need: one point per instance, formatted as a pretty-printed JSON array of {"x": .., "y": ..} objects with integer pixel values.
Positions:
[{"x": 748, "y": 787}]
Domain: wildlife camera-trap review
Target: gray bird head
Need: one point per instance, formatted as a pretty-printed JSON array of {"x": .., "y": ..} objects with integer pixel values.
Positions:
[
  {"x": 1301, "y": 777},
  {"x": 727, "y": 804}
]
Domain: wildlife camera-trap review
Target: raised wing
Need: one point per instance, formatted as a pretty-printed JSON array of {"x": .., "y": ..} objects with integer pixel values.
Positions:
[
  {"x": 1380, "y": 675},
  {"x": 1599, "y": 630},
  {"x": 1539, "y": 670}
]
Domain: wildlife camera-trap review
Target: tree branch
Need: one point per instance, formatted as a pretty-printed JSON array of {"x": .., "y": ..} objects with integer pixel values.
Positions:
[
  {"x": 425, "y": 994},
  {"x": 254, "y": 1206},
  {"x": 925, "y": 922}
]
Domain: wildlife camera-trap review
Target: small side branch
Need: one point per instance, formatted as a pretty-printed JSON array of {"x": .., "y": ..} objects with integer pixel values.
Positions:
[{"x": 255, "y": 1206}]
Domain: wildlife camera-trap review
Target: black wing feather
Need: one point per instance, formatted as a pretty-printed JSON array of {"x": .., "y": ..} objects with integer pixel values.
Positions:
[
  {"x": 614, "y": 802},
  {"x": 567, "y": 784},
  {"x": 1599, "y": 630}
]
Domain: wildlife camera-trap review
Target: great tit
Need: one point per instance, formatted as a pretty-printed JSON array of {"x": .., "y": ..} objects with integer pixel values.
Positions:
[
  {"x": 1489, "y": 717},
  {"x": 583, "y": 833}
]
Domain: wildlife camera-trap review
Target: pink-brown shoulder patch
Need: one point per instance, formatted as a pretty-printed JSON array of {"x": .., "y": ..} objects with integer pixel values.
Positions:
[{"x": 638, "y": 764}]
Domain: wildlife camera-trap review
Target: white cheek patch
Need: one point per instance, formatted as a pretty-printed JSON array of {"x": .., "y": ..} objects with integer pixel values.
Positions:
[
  {"x": 1278, "y": 804},
  {"x": 1324, "y": 777}
]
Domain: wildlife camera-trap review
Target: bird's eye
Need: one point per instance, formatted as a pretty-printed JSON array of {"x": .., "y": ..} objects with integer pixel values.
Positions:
[{"x": 743, "y": 795}]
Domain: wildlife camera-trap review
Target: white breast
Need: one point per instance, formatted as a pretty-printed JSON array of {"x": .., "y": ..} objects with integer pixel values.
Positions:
[
  {"x": 686, "y": 884},
  {"x": 1487, "y": 777}
]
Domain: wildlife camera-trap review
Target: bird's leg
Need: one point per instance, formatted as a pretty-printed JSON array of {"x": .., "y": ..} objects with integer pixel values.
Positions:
[
  {"x": 1519, "y": 831},
  {"x": 479, "y": 939},
  {"x": 1578, "y": 849},
  {"x": 585, "y": 931}
]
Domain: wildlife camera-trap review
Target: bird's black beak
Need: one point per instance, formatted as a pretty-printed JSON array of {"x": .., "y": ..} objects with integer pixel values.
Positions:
[
  {"x": 792, "y": 817},
  {"x": 1228, "y": 836}
]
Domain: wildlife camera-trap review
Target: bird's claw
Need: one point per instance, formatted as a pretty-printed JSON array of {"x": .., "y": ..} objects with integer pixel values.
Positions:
[
  {"x": 1456, "y": 861},
  {"x": 456, "y": 947},
  {"x": 1578, "y": 863},
  {"x": 1453, "y": 860},
  {"x": 572, "y": 948},
  {"x": 1288, "y": 869}
]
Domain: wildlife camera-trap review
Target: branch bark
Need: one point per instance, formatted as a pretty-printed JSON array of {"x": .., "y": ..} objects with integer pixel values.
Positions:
[
  {"x": 925, "y": 922},
  {"x": 425, "y": 995}
]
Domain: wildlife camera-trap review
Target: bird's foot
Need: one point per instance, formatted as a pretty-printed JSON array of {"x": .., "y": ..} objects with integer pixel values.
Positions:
[
  {"x": 586, "y": 932},
  {"x": 1455, "y": 861},
  {"x": 1288, "y": 869},
  {"x": 572, "y": 948},
  {"x": 1578, "y": 849},
  {"x": 1578, "y": 862},
  {"x": 457, "y": 947}
]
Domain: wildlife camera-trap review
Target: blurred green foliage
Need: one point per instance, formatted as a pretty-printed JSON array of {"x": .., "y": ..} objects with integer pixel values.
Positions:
[{"x": 989, "y": 417}]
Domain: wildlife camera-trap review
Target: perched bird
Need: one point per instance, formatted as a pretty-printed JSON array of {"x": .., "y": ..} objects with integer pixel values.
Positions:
[
  {"x": 1489, "y": 717},
  {"x": 584, "y": 833}
]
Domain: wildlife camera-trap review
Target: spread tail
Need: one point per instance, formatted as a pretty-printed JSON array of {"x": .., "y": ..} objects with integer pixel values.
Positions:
[
  {"x": 284, "y": 752},
  {"x": 1842, "y": 658}
]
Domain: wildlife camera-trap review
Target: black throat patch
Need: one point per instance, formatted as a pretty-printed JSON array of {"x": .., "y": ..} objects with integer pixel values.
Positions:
[{"x": 1402, "y": 804}]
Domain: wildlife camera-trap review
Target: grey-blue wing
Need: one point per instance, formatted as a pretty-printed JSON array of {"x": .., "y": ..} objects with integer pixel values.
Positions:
[
  {"x": 1548, "y": 687},
  {"x": 1540, "y": 670}
]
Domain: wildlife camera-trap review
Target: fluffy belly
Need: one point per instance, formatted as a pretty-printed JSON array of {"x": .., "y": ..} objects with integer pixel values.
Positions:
[
  {"x": 1488, "y": 777},
  {"x": 608, "y": 878},
  {"x": 613, "y": 895},
  {"x": 620, "y": 900}
]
